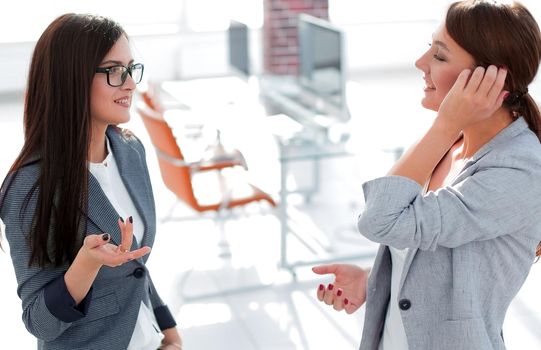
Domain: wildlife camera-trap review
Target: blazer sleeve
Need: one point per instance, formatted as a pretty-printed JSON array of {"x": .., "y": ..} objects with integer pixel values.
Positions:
[
  {"x": 492, "y": 202},
  {"x": 161, "y": 311},
  {"x": 48, "y": 308}
]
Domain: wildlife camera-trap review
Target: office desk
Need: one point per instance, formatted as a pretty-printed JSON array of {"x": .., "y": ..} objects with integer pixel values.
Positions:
[{"x": 234, "y": 106}]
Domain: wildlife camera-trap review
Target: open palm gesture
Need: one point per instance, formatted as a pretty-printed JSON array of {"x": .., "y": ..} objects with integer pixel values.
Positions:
[
  {"x": 348, "y": 291},
  {"x": 101, "y": 251}
]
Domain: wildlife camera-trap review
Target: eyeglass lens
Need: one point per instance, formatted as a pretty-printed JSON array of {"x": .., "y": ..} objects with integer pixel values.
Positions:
[{"x": 118, "y": 75}]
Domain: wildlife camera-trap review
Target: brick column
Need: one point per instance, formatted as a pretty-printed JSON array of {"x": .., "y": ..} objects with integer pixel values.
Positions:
[{"x": 280, "y": 42}]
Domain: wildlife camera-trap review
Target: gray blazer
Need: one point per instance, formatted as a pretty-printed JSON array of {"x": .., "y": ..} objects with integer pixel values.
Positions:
[
  {"x": 105, "y": 319},
  {"x": 471, "y": 244}
]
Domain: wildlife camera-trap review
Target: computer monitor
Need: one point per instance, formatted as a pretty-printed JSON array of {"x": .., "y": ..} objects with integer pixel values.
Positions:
[
  {"x": 322, "y": 70},
  {"x": 239, "y": 53}
]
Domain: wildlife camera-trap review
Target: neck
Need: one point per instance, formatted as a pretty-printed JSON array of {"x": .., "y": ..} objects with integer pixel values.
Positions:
[
  {"x": 97, "y": 151},
  {"x": 478, "y": 134}
]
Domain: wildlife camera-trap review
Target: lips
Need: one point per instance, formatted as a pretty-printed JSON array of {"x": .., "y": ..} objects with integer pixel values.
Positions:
[
  {"x": 123, "y": 101},
  {"x": 429, "y": 86}
]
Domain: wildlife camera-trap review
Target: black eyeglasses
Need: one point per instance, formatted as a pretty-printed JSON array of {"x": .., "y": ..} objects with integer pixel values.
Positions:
[{"x": 116, "y": 75}]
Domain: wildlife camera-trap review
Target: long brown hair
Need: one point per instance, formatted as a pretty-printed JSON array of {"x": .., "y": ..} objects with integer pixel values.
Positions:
[
  {"x": 505, "y": 35},
  {"x": 57, "y": 128}
]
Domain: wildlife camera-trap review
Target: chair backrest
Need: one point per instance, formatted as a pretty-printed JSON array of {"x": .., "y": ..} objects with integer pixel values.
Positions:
[{"x": 177, "y": 178}]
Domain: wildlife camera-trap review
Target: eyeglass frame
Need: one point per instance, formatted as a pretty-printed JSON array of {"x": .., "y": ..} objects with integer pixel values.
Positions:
[{"x": 124, "y": 75}]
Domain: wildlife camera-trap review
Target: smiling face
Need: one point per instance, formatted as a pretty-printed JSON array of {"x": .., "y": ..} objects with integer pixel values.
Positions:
[
  {"x": 441, "y": 65},
  {"x": 111, "y": 105}
]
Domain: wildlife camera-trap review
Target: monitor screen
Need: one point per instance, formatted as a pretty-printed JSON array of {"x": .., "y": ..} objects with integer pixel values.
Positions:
[
  {"x": 239, "y": 55},
  {"x": 321, "y": 62}
]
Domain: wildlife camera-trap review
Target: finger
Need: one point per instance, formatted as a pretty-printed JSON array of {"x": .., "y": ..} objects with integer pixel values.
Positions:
[
  {"x": 325, "y": 269},
  {"x": 349, "y": 307},
  {"x": 128, "y": 234},
  {"x": 462, "y": 80},
  {"x": 497, "y": 89},
  {"x": 488, "y": 80},
  {"x": 120, "y": 259},
  {"x": 320, "y": 292},
  {"x": 122, "y": 227},
  {"x": 328, "y": 298},
  {"x": 136, "y": 254},
  {"x": 93, "y": 241},
  {"x": 475, "y": 80},
  {"x": 338, "y": 303},
  {"x": 503, "y": 95}
]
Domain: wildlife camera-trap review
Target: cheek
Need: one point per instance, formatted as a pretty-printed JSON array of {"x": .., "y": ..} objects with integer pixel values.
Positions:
[
  {"x": 444, "y": 81},
  {"x": 99, "y": 99}
]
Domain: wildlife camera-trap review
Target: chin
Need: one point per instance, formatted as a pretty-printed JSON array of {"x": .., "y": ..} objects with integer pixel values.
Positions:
[{"x": 429, "y": 105}]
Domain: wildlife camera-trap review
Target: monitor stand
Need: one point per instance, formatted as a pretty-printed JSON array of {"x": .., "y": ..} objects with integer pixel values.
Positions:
[{"x": 286, "y": 96}]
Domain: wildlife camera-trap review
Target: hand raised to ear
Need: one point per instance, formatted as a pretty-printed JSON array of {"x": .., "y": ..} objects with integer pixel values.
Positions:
[{"x": 475, "y": 96}]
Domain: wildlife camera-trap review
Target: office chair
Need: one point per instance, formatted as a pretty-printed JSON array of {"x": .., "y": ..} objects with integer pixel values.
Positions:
[{"x": 177, "y": 174}]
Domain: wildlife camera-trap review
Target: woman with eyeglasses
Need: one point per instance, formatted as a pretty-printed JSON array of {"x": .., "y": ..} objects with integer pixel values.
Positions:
[
  {"x": 457, "y": 217},
  {"x": 77, "y": 203}
]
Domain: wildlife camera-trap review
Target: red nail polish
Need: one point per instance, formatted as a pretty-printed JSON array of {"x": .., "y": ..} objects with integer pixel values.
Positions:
[
  {"x": 339, "y": 293},
  {"x": 346, "y": 301},
  {"x": 131, "y": 220},
  {"x": 330, "y": 286},
  {"x": 121, "y": 219},
  {"x": 321, "y": 287}
]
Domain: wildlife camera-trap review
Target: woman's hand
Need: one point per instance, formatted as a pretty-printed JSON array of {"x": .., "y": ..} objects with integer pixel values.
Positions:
[
  {"x": 99, "y": 251},
  {"x": 348, "y": 291},
  {"x": 171, "y": 340},
  {"x": 473, "y": 98}
]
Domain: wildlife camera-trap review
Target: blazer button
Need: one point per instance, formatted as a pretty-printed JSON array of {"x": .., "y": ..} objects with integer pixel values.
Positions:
[
  {"x": 138, "y": 272},
  {"x": 404, "y": 304}
]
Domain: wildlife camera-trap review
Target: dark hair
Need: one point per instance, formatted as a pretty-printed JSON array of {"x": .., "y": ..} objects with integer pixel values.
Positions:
[
  {"x": 502, "y": 35},
  {"x": 57, "y": 129}
]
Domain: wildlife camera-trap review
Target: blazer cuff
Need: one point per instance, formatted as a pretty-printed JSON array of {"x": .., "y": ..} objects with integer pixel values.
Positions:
[
  {"x": 61, "y": 304},
  {"x": 164, "y": 318}
]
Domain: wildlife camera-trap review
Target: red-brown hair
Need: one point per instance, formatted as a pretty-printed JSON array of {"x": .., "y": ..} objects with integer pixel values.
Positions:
[{"x": 502, "y": 35}]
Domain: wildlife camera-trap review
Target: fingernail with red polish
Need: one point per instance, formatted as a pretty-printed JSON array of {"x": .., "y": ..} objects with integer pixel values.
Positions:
[
  {"x": 131, "y": 220},
  {"x": 339, "y": 293},
  {"x": 505, "y": 95},
  {"x": 321, "y": 287},
  {"x": 121, "y": 219},
  {"x": 346, "y": 301},
  {"x": 330, "y": 287},
  {"x": 105, "y": 236}
]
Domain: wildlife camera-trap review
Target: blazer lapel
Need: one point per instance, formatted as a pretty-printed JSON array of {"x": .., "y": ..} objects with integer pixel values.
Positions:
[
  {"x": 133, "y": 173},
  {"x": 101, "y": 212}
]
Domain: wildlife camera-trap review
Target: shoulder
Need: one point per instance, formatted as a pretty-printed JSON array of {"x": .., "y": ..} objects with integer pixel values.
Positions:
[
  {"x": 523, "y": 151},
  {"x": 18, "y": 185},
  {"x": 126, "y": 137}
]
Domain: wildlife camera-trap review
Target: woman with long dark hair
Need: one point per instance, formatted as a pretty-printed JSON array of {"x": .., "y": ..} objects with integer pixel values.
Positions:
[
  {"x": 457, "y": 217},
  {"x": 77, "y": 203}
]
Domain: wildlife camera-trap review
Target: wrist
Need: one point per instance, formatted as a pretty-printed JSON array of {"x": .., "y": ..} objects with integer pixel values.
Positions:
[
  {"x": 86, "y": 261},
  {"x": 446, "y": 129}
]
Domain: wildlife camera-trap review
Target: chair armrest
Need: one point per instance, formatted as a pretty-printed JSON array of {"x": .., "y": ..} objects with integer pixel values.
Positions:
[{"x": 217, "y": 163}]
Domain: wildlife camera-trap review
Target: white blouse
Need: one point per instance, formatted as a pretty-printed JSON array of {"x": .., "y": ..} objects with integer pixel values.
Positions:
[
  {"x": 146, "y": 335},
  {"x": 394, "y": 335}
]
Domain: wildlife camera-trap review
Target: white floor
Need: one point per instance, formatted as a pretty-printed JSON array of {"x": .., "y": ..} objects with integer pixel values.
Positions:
[{"x": 284, "y": 314}]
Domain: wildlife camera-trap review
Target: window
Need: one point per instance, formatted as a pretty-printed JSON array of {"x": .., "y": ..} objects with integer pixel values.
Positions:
[{"x": 26, "y": 20}]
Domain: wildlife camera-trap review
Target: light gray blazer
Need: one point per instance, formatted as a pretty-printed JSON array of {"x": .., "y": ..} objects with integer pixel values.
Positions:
[
  {"x": 105, "y": 319},
  {"x": 471, "y": 245}
]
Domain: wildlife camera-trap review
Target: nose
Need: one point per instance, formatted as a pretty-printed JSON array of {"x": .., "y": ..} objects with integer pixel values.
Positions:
[
  {"x": 129, "y": 84},
  {"x": 422, "y": 62}
]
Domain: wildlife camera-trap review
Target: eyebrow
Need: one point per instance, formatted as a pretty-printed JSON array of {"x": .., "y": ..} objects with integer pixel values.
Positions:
[
  {"x": 441, "y": 44},
  {"x": 116, "y": 62}
]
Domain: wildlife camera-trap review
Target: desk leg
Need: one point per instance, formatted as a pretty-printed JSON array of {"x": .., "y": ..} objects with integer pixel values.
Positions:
[{"x": 283, "y": 214}]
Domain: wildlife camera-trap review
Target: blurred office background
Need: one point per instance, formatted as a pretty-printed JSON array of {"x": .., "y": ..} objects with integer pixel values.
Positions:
[{"x": 231, "y": 73}]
